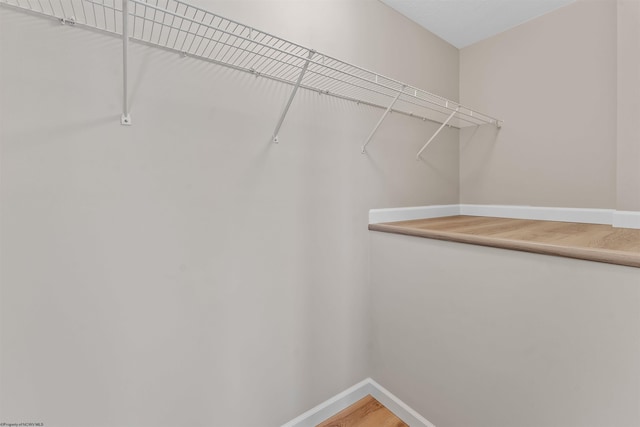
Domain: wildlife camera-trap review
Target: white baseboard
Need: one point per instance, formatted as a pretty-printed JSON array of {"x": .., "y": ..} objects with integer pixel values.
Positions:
[
  {"x": 377, "y": 216},
  {"x": 589, "y": 216},
  {"x": 337, "y": 403},
  {"x": 398, "y": 407},
  {"x": 332, "y": 406},
  {"x": 626, "y": 219}
]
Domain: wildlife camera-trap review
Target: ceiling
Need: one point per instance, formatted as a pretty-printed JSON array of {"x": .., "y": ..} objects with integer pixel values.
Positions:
[{"x": 464, "y": 22}]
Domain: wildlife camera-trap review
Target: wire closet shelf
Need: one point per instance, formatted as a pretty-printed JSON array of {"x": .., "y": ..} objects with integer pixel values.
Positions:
[{"x": 191, "y": 31}]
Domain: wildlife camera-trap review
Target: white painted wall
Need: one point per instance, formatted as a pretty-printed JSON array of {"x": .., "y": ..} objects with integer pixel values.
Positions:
[
  {"x": 185, "y": 271},
  {"x": 485, "y": 337}
]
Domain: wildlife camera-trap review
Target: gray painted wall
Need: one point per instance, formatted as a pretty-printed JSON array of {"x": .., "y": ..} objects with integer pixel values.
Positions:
[
  {"x": 185, "y": 270},
  {"x": 484, "y": 337},
  {"x": 473, "y": 336},
  {"x": 628, "y": 78},
  {"x": 553, "y": 81}
]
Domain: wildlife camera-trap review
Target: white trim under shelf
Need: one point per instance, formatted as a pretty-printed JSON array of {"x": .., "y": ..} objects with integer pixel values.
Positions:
[
  {"x": 350, "y": 396},
  {"x": 589, "y": 216},
  {"x": 625, "y": 219},
  {"x": 377, "y": 216}
]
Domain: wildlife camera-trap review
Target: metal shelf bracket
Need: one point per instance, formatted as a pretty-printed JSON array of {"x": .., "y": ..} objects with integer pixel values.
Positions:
[
  {"x": 453, "y": 113},
  {"x": 125, "y": 119},
  {"x": 384, "y": 115},
  {"x": 293, "y": 94}
]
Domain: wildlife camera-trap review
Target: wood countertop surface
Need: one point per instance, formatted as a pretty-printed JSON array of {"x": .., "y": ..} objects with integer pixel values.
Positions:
[{"x": 592, "y": 242}]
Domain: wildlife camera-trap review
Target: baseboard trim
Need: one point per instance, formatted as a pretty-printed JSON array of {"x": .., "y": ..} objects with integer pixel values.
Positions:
[
  {"x": 626, "y": 219},
  {"x": 589, "y": 216},
  {"x": 398, "y": 407},
  {"x": 342, "y": 400},
  {"x": 377, "y": 216}
]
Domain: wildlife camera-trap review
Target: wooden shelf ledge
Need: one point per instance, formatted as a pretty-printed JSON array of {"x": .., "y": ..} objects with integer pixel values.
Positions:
[{"x": 592, "y": 242}]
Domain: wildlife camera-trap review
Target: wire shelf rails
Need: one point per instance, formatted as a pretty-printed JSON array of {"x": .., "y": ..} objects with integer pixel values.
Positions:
[{"x": 191, "y": 31}]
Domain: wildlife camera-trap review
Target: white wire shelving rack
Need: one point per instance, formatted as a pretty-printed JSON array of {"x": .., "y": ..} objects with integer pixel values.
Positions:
[{"x": 194, "y": 32}]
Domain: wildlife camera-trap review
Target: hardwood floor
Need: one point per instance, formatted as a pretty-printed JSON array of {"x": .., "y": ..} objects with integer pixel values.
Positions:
[
  {"x": 593, "y": 242},
  {"x": 366, "y": 412}
]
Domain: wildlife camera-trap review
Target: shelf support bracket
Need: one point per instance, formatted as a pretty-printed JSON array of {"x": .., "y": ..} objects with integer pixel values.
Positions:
[
  {"x": 384, "y": 115},
  {"x": 125, "y": 119},
  {"x": 453, "y": 113},
  {"x": 293, "y": 94}
]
